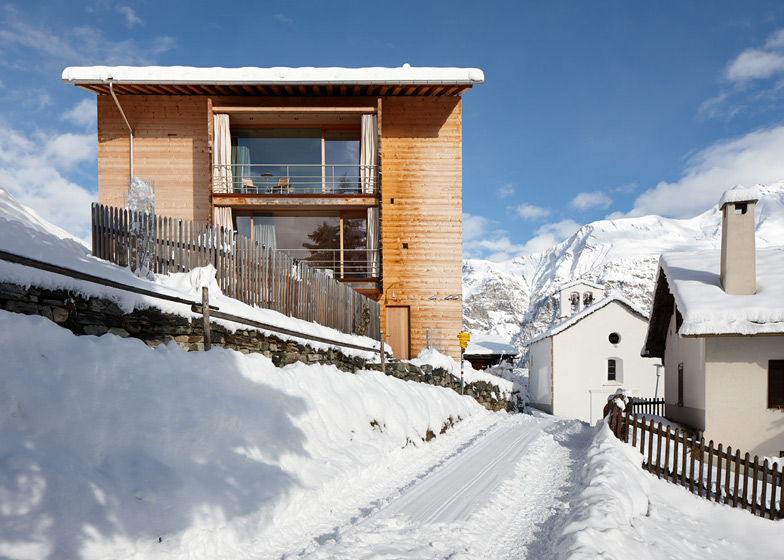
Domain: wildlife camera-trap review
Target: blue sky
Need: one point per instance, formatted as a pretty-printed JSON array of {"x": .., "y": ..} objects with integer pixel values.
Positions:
[{"x": 589, "y": 109}]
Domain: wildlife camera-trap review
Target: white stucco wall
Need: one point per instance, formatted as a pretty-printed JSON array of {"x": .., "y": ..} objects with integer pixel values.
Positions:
[
  {"x": 580, "y": 354},
  {"x": 691, "y": 353},
  {"x": 540, "y": 367},
  {"x": 737, "y": 412}
]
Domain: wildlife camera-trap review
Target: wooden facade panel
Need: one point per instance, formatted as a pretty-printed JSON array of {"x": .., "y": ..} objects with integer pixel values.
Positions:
[
  {"x": 171, "y": 147},
  {"x": 421, "y": 166}
]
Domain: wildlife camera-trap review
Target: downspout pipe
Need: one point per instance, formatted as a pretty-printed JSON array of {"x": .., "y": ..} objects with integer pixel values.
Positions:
[{"x": 116, "y": 101}]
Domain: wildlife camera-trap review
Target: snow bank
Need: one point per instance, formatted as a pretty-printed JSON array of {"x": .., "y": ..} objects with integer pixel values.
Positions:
[
  {"x": 614, "y": 490},
  {"x": 436, "y": 359},
  {"x": 107, "y": 446},
  {"x": 24, "y": 233}
]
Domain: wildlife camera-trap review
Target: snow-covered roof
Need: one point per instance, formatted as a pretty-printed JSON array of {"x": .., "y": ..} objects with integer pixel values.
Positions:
[
  {"x": 490, "y": 344},
  {"x": 739, "y": 193},
  {"x": 576, "y": 282},
  {"x": 577, "y": 317},
  {"x": 693, "y": 280},
  {"x": 405, "y": 74}
]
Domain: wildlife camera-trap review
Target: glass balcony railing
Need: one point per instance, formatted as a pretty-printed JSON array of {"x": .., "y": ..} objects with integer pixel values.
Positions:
[{"x": 282, "y": 179}]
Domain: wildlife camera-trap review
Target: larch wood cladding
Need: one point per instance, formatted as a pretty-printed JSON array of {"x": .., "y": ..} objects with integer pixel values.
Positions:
[
  {"x": 171, "y": 146},
  {"x": 421, "y": 168}
]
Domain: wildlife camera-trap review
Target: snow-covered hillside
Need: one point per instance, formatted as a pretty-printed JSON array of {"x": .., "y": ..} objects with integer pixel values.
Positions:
[{"x": 514, "y": 298}]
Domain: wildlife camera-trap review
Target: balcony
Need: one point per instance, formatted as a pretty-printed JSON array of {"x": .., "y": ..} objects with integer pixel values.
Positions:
[{"x": 295, "y": 179}]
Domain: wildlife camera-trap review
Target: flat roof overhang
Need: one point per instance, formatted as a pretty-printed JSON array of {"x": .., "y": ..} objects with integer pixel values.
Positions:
[{"x": 180, "y": 80}]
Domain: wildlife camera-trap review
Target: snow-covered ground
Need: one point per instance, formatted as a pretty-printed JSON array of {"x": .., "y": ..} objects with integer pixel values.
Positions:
[{"x": 112, "y": 449}]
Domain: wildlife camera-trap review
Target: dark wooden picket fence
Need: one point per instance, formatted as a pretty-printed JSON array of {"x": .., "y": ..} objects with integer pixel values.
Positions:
[
  {"x": 651, "y": 407},
  {"x": 246, "y": 270},
  {"x": 710, "y": 471}
]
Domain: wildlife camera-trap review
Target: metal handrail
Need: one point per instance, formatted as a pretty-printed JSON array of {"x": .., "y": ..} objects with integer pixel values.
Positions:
[
  {"x": 355, "y": 263},
  {"x": 286, "y": 179}
]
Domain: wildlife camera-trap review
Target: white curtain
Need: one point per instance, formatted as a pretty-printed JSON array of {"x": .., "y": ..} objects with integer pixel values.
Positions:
[
  {"x": 221, "y": 154},
  {"x": 368, "y": 150},
  {"x": 221, "y": 170},
  {"x": 368, "y": 158},
  {"x": 264, "y": 230}
]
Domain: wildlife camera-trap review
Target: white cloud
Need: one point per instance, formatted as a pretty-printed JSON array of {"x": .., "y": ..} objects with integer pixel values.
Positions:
[
  {"x": 283, "y": 19},
  {"x": 474, "y": 226},
  {"x": 531, "y": 212},
  {"x": 754, "y": 64},
  {"x": 586, "y": 200},
  {"x": 750, "y": 159},
  {"x": 82, "y": 114},
  {"x": 549, "y": 235},
  {"x": 87, "y": 45},
  {"x": 131, "y": 19},
  {"x": 31, "y": 170},
  {"x": 505, "y": 191},
  {"x": 69, "y": 150},
  {"x": 484, "y": 239}
]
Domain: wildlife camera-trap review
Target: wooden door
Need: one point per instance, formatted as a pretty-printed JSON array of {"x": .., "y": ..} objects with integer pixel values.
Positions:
[{"x": 397, "y": 331}]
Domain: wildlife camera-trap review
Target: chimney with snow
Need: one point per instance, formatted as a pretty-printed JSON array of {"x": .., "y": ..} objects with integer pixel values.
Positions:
[{"x": 738, "y": 260}]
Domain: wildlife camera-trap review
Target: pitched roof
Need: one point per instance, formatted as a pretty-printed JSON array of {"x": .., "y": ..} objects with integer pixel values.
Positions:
[
  {"x": 490, "y": 344},
  {"x": 577, "y": 317},
  {"x": 186, "y": 80},
  {"x": 691, "y": 280},
  {"x": 576, "y": 282}
]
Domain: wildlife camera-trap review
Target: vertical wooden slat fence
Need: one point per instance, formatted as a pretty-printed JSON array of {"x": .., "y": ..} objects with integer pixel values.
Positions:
[
  {"x": 702, "y": 469},
  {"x": 245, "y": 270}
]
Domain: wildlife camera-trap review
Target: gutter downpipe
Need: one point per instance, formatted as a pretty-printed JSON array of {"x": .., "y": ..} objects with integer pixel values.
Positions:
[{"x": 111, "y": 90}]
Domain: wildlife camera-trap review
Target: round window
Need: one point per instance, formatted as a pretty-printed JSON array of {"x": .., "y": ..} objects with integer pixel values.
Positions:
[{"x": 615, "y": 338}]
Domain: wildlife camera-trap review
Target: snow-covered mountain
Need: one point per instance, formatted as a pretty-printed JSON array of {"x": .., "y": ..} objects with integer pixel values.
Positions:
[{"x": 515, "y": 298}]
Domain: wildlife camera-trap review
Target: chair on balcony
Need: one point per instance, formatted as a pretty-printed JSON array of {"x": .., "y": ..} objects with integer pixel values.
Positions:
[
  {"x": 248, "y": 186},
  {"x": 281, "y": 187}
]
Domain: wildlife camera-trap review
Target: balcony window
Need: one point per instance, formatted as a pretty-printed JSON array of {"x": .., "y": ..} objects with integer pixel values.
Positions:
[
  {"x": 334, "y": 241},
  {"x": 295, "y": 161}
]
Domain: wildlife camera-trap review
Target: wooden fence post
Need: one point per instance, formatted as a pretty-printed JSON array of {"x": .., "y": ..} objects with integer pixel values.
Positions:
[
  {"x": 205, "y": 315},
  {"x": 381, "y": 352}
]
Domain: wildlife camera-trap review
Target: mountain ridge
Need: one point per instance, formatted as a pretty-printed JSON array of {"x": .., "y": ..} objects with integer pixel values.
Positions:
[{"x": 513, "y": 298}]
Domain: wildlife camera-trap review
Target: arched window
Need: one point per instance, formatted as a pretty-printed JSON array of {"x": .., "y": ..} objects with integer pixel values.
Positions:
[
  {"x": 574, "y": 298},
  {"x": 587, "y": 299}
]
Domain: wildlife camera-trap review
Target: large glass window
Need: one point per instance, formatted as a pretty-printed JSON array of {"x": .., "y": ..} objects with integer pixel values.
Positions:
[
  {"x": 332, "y": 240},
  {"x": 303, "y": 160}
]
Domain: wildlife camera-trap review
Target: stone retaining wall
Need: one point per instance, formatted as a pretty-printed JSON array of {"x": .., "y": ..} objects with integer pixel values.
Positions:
[{"x": 98, "y": 316}]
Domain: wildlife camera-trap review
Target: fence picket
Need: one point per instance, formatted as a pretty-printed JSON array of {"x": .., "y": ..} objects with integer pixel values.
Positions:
[
  {"x": 709, "y": 483},
  {"x": 764, "y": 488},
  {"x": 755, "y": 471}
]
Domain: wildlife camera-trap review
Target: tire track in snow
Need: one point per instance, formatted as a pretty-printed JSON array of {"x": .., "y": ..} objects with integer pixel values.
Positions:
[{"x": 497, "y": 497}]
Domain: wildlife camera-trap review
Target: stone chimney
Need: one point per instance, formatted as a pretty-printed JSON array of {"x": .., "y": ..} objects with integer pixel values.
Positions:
[{"x": 738, "y": 259}]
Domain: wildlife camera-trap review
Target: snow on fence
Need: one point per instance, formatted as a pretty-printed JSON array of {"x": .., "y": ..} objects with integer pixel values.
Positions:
[
  {"x": 708, "y": 471},
  {"x": 246, "y": 270}
]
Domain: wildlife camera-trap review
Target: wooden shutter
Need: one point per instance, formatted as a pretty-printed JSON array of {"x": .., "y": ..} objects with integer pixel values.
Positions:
[{"x": 776, "y": 384}]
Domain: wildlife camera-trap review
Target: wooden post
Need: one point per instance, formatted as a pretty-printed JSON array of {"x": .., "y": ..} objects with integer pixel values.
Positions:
[
  {"x": 727, "y": 475},
  {"x": 205, "y": 315},
  {"x": 754, "y": 472},
  {"x": 736, "y": 492},
  {"x": 764, "y": 494},
  {"x": 381, "y": 353},
  {"x": 718, "y": 474},
  {"x": 667, "y": 471},
  {"x": 746, "y": 461},
  {"x": 710, "y": 471},
  {"x": 702, "y": 465}
]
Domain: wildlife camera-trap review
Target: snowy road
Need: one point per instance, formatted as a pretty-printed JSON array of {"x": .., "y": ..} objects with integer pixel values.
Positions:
[{"x": 493, "y": 493}]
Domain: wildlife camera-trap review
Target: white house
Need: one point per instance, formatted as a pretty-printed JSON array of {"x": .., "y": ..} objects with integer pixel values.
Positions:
[
  {"x": 717, "y": 322},
  {"x": 578, "y": 363}
]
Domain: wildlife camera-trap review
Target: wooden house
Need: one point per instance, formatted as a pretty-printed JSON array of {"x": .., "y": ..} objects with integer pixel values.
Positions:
[
  {"x": 357, "y": 171},
  {"x": 717, "y": 322}
]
